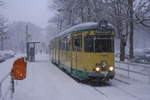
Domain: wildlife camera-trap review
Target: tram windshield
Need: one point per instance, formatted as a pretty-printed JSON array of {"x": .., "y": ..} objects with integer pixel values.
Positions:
[{"x": 99, "y": 44}]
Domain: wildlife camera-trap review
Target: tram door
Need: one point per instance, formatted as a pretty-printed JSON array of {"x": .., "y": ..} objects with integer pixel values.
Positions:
[{"x": 76, "y": 46}]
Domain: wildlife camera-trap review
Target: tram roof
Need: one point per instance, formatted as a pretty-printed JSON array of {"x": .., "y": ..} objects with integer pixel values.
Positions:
[{"x": 83, "y": 27}]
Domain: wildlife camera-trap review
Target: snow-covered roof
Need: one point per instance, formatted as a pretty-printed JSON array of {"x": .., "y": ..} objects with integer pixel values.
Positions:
[{"x": 82, "y": 27}]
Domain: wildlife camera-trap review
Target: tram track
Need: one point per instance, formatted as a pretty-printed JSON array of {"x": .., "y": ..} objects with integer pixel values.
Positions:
[
  {"x": 113, "y": 88},
  {"x": 121, "y": 81},
  {"x": 102, "y": 93},
  {"x": 123, "y": 90},
  {"x": 126, "y": 92}
]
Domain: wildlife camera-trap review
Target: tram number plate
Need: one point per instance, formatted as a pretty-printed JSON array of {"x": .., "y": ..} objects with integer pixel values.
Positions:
[{"x": 104, "y": 73}]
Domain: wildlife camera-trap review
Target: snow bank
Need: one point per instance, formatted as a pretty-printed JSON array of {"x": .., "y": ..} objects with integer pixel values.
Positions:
[
  {"x": 5, "y": 79},
  {"x": 46, "y": 82},
  {"x": 6, "y": 54}
]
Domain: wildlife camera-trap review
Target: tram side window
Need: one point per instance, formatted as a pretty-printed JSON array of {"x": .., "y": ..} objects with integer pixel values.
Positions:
[
  {"x": 77, "y": 43},
  {"x": 67, "y": 44},
  {"x": 89, "y": 44},
  {"x": 62, "y": 45},
  {"x": 56, "y": 45}
]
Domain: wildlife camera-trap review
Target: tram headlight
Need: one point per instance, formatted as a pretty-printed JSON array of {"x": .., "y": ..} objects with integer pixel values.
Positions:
[
  {"x": 111, "y": 68},
  {"x": 97, "y": 69}
]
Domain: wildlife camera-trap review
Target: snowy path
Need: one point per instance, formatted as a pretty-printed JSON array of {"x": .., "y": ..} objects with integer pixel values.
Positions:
[
  {"x": 46, "y": 82},
  {"x": 5, "y": 67}
]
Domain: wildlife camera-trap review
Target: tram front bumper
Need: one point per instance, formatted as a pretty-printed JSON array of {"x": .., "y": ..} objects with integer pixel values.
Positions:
[{"x": 102, "y": 75}]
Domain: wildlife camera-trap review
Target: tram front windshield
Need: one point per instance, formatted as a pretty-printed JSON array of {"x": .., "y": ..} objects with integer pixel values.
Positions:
[{"x": 99, "y": 44}]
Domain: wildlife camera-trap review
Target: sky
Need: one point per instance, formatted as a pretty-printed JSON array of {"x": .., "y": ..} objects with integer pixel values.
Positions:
[{"x": 34, "y": 11}]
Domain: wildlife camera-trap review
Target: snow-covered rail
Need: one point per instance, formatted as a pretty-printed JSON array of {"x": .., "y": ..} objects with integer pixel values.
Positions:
[
  {"x": 133, "y": 70},
  {"x": 5, "y": 86},
  {"x": 3, "y": 79}
]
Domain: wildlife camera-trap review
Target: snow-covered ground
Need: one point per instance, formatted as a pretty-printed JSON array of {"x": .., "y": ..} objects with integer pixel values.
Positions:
[
  {"x": 46, "y": 82},
  {"x": 5, "y": 68},
  {"x": 141, "y": 40}
]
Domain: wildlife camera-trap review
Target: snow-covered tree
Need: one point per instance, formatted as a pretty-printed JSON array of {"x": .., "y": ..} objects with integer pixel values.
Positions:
[
  {"x": 17, "y": 35},
  {"x": 3, "y": 31},
  {"x": 123, "y": 14},
  {"x": 3, "y": 28}
]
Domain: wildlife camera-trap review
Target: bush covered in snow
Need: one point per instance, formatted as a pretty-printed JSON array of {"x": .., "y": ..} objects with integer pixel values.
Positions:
[
  {"x": 140, "y": 56},
  {"x": 6, "y": 54}
]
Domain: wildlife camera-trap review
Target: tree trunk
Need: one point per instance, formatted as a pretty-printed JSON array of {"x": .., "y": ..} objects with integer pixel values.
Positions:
[
  {"x": 2, "y": 43},
  {"x": 131, "y": 41},
  {"x": 70, "y": 17},
  {"x": 131, "y": 28},
  {"x": 122, "y": 50},
  {"x": 89, "y": 11},
  {"x": 81, "y": 12}
]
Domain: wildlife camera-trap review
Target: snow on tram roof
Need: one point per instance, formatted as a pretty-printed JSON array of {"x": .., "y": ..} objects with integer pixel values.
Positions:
[
  {"x": 79, "y": 27},
  {"x": 82, "y": 27}
]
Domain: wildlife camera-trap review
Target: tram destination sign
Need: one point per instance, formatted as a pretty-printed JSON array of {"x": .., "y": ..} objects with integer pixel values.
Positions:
[{"x": 102, "y": 31}]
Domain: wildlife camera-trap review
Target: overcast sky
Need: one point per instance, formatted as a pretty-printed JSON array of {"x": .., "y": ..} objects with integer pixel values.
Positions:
[{"x": 35, "y": 11}]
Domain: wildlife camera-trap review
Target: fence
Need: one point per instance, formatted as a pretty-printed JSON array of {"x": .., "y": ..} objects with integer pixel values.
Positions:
[
  {"x": 134, "y": 70},
  {"x": 6, "y": 84}
]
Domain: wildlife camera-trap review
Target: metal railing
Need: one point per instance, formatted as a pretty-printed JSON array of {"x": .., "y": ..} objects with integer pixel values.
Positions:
[
  {"x": 4, "y": 92},
  {"x": 129, "y": 67}
]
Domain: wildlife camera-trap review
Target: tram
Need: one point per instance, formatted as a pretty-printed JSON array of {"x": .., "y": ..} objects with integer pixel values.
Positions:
[{"x": 85, "y": 51}]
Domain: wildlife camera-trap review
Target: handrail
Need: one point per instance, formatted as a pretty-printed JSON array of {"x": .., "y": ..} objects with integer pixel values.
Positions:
[
  {"x": 5, "y": 77},
  {"x": 132, "y": 71},
  {"x": 131, "y": 63},
  {"x": 1, "y": 83}
]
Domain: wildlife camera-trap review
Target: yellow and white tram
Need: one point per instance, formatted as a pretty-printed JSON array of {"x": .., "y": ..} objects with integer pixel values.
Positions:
[{"x": 85, "y": 51}]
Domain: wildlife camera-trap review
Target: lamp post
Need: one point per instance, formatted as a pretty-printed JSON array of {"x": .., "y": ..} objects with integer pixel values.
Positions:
[{"x": 27, "y": 54}]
